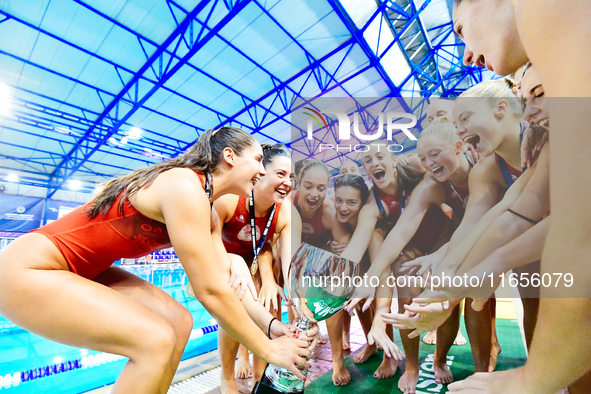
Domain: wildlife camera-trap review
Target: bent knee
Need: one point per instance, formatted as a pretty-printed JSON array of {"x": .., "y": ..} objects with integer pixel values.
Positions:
[
  {"x": 158, "y": 341},
  {"x": 182, "y": 322}
]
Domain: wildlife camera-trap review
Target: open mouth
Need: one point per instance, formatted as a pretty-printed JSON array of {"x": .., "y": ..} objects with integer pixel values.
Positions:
[
  {"x": 311, "y": 203},
  {"x": 473, "y": 140},
  {"x": 281, "y": 192},
  {"x": 437, "y": 170},
  {"x": 379, "y": 175},
  {"x": 255, "y": 180},
  {"x": 343, "y": 216}
]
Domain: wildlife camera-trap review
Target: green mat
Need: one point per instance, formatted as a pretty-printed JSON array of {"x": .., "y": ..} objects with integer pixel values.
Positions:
[{"x": 362, "y": 380}]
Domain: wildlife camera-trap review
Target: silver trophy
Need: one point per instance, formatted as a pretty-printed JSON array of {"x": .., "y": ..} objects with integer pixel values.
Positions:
[{"x": 319, "y": 283}]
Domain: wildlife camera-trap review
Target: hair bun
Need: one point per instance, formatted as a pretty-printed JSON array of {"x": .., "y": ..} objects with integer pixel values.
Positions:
[{"x": 511, "y": 84}]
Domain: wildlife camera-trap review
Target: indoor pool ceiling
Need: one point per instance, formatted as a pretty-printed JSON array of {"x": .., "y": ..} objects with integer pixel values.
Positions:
[{"x": 94, "y": 89}]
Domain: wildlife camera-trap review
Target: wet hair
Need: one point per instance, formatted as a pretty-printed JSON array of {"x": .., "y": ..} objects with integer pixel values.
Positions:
[
  {"x": 354, "y": 181},
  {"x": 270, "y": 152},
  {"x": 444, "y": 131},
  {"x": 203, "y": 156},
  {"x": 314, "y": 164},
  {"x": 496, "y": 90}
]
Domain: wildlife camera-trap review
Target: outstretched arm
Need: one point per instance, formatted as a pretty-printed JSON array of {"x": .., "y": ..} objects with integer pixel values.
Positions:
[
  {"x": 479, "y": 214},
  {"x": 426, "y": 193},
  {"x": 184, "y": 205},
  {"x": 532, "y": 203}
]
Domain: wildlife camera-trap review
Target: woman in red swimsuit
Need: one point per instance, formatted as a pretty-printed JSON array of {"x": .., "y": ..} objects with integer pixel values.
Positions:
[
  {"x": 312, "y": 205},
  {"x": 272, "y": 222},
  {"x": 58, "y": 282}
]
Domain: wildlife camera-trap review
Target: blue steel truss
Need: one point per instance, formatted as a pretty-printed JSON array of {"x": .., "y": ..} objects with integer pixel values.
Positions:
[{"x": 92, "y": 144}]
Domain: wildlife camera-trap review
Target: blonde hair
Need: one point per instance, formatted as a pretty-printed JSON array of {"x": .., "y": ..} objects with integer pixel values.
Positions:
[
  {"x": 445, "y": 131},
  {"x": 496, "y": 90}
]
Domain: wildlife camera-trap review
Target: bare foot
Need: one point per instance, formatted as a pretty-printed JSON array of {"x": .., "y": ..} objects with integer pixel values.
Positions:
[
  {"x": 430, "y": 338},
  {"x": 321, "y": 339},
  {"x": 442, "y": 372},
  {"x": 460, "y": 340},
  {"x": 228, "y": 386},
  {"x": 387, "y": 368},
  {"x": 243, "y": 368},
  {"x": 408, "y": 381},
  {"x": 365, "y": 353},
  {"x": 495, "y": 350},
  {"x": 340, "y": 375},
  {"x": 346, "y": 344}
]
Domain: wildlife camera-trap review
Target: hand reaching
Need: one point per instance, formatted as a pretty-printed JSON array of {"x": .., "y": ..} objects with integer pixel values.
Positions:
[
  {"x": 421, "y": 318},
  {"x": 270, "y": 294},
  {"x": 422, "y": 264},
  {"x": 378, "y": 336},
  {"x": 240, "y": 277}
]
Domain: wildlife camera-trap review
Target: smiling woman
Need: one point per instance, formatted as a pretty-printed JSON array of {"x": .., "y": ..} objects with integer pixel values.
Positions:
[
  {"x": 103, "y": 308},
  {"x": 488, "y": 117},
  {"x": 251, "y": 226},
  {"x": 310, "y": 202}
]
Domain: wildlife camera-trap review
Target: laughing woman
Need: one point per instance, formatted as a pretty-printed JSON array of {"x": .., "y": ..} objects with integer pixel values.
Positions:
[
  {"x": 104, "y": 308},
  {"x": 269, "y": 218},
  {"x": 312, "y": 205}
]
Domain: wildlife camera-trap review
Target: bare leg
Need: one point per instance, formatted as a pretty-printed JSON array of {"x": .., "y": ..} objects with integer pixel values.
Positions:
[
  {"x": 346, "y": 331},
  {"x": 388, "y": 367},
  {"x": 495, "y": 346},
  {"x": 408, "y": 381},
  {"x": 368, "y": 350},
  {"x": 478, "y": 325},
  {"x": 87, "y": 314},
  {"x": 243, "y": 368},
  {"x": 228, "y": 348},
  {"x": 340, "y": 375},
  {"x": 445, "y": 338},
  {"x": 530, "y": 297}
]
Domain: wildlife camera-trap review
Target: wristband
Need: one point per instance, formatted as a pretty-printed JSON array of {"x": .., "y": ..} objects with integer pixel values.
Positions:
[{"x": 269, "y": 329}]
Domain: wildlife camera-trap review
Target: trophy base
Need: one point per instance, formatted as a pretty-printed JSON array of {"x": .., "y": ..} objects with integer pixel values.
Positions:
[{"x": 261, "y": 388}]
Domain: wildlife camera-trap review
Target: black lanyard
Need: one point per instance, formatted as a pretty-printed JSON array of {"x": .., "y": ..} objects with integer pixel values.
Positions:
[{"x": 256, "y": 250}]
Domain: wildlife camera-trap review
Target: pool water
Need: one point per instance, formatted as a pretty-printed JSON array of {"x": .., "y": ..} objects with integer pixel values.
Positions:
[{"x": 31, "y": 364}]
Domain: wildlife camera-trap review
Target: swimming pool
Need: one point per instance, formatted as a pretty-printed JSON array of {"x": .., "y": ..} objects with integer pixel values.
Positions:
[{"x": 31, "y": 364}]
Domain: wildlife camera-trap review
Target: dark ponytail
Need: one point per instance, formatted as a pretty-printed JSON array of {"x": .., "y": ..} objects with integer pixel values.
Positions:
[
  {"x": 270, "y": 152},
  {"x": 203, "y": 156}
]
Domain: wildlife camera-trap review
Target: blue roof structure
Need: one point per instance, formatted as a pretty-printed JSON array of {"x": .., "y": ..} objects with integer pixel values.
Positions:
[{"x": 92, "y": 89}]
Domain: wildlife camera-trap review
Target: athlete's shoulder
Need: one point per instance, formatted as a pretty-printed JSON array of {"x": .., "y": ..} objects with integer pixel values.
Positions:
[
  {"x": 429, "y": 189},
  {"x": 226, "y": 206},
  {"x": 486, "y": 171}
]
